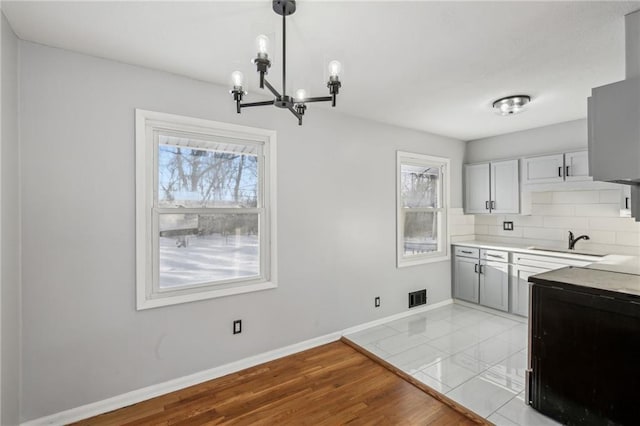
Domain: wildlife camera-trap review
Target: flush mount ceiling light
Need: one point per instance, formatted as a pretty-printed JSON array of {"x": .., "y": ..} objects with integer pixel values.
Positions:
[
  {"x": 511, "y": 104},
  {"x": 297, "y": 105}
]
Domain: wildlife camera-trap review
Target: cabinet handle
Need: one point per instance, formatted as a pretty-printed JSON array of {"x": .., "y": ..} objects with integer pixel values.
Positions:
[
  {"x": 493, "y": 205},
  {"x": 486, "y": 205},
  {"x": 464, "y": 251},
  {"x": 626, "y": 202},
  {"x": 567, "y": 173},
  {"x": 559, "y": 171},
  {"x": 481, "y": 268},
  {"x": 495, "y": 255},
  {"x": 475, "y": 268}
]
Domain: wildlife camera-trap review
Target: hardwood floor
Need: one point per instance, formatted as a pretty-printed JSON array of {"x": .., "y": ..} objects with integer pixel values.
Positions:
[{"x": 328, "y": 385}]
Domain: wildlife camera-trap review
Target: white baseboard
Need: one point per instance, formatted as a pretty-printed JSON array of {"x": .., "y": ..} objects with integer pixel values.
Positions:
[
  {"x": 390, "y": 318},
  {"x": 139, "y": 395},
  {"x": 491, "y": 311}
]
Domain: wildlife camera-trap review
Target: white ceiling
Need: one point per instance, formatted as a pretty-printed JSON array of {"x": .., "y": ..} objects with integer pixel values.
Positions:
[{"x": 433, "y": 66}]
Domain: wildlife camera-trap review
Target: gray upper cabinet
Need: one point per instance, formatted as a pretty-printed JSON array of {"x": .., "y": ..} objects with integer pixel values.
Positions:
[
  {"x": 556, "y": 168},
  {"x": 543, "y": 169},
  {"x": 625, "y": 201},
  {"x": 505, "y": 187},
  {"x": 614, "y": 131},
  {"x": 476, "y": 188},
  {"x": 576, "y": 166},
  {"x": 492, "y": 187}
]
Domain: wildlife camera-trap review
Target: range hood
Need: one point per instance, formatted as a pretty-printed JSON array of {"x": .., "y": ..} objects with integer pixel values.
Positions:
[{"x": 614, "y": 122}]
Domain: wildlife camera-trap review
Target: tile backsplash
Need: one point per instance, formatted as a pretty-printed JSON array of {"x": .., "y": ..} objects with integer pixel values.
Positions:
[
  {"x": 595, "y": 213},
  {"x": 461, "y": 226}
]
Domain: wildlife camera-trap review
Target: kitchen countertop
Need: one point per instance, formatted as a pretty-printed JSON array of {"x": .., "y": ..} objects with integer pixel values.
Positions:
[
  {"x": 625, "y": 264},
  {"x": 628, "y": 284}
]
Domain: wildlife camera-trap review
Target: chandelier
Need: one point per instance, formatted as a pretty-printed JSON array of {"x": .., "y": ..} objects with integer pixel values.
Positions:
[{"x": 297, "y": 105}]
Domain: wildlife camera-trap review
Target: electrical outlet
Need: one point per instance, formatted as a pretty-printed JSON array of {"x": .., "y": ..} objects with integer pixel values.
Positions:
[
  {"x": 507, "y": 226},
  {"x": 237, "y": 327},
  {"x": 377, "y": 302}
]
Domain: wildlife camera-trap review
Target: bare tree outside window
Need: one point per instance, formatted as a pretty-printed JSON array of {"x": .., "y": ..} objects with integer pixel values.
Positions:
[{"x": 197, "y": 248}]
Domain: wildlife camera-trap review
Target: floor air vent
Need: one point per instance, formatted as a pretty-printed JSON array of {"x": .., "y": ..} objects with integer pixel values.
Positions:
[{"x": 418, "y": 298}]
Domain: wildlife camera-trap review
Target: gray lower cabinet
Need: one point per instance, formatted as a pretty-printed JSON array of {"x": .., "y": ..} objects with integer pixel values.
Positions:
[
  {"x": 520, "y": 288},
  {"x": 494, "y": 285},
  {"x": 466, "y": 286},
  {"x": 482, "y": 276}
]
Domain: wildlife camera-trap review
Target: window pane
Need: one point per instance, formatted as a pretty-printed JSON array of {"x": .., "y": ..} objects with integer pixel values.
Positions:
[
  {"x": 420, "y": 232},
  {"x": 419, "y": 185},
  {"x": 204, "y": 248},
  {"x": 193, "y": 173}
]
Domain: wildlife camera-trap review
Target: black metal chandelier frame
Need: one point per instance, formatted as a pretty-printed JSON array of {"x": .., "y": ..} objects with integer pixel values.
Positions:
[{"x": 297, "y": 107}]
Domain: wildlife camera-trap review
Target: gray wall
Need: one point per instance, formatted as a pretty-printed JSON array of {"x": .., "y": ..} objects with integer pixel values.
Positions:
[
  {"x": 563, "y": 137},
  {"x": 83, "y": 340},
  {"x": 10, "y": 229}
]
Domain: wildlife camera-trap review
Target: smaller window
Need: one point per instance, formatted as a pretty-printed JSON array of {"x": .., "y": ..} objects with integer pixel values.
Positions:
[{"x": 422, "y": 200}]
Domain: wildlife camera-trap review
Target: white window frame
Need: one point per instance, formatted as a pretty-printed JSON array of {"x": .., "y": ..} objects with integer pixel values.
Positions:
[
  {"x": 148, "y": 123},
  {"x": 443, "y": 224}
]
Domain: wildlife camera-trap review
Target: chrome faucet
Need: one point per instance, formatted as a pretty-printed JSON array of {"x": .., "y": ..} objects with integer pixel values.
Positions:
[{"x": 573, "y": 241}]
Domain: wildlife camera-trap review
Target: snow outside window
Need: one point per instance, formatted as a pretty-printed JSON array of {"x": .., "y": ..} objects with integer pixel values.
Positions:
[
  {"x": 205, "y": 209},
  {"x": 422, "y": 199}
]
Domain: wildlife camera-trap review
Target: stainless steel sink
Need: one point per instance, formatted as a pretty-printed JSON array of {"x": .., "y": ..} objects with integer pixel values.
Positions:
[{"x": 567, "y": 251}]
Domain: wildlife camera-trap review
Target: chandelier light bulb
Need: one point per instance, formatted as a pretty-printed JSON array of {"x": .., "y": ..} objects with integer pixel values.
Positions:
[
  {"x": 301, "y": 94},
  {"x": 334, "y": 68},
  {"x": 262, "y": 43},
  {"x": 237, "y": 78}
]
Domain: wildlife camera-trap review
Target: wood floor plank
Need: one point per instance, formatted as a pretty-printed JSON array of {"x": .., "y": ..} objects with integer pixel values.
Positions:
[{"x": 328, "y": 385}]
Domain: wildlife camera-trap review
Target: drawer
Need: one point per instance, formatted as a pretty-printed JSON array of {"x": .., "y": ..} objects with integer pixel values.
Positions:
[
  {"x": 468, "y": 252},
  {"x": 494, "y": 255}
]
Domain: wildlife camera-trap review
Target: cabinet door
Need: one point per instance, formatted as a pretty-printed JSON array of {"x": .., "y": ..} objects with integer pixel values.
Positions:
[
  {"x": 476, "y": 188},
  {"x": 576, "y": 166},
  {"x": 505, "y": 187},
  {"x": 494, "y": 285},
  {"x": 546, "y": 169},
  {"x": 625, "y": 201},
  {"x": 520, "y": 288},
  {"x": 466, "y": 279}
]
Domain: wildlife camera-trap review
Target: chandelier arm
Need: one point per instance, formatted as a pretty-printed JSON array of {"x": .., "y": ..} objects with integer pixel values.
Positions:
[
  {"x": 255, "y": 104},
  {"x": 318, "y": 99},
  {"x": 298, "y": 116},
  {"x": 272, "y": 89}
]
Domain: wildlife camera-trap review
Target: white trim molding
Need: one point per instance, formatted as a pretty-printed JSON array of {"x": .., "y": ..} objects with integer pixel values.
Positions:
[
  {"x": 441, "y": 210},
  {"x": 261, "y": 143},
  {"x": 139, "y": 395}
]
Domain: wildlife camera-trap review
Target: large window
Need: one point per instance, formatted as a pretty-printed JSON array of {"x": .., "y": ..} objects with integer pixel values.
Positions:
[
  {"x": 205, "y": 209},
  {"x": 422, "y": 200}
]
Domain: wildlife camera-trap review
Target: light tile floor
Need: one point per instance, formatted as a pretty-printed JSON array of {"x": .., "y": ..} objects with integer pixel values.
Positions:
[{"x": 476, "y": 358}]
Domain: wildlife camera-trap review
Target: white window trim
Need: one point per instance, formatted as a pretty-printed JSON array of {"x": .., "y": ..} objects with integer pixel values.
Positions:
[
  {"x": 146, "y": 122},
  {"x": 440, "y": 256}
]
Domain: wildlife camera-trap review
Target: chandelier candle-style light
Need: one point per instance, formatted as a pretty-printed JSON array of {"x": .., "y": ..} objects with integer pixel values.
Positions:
[{"x": 297, "y": 105}]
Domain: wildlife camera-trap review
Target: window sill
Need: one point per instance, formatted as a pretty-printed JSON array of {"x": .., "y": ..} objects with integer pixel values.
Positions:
[
  {"x": 150, "y": 303},
  {"x": 415, "y": 262}
]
